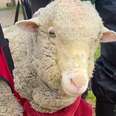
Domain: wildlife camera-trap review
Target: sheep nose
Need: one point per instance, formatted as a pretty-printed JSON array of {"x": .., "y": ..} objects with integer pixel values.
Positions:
[{"x": 74, "y": 84}]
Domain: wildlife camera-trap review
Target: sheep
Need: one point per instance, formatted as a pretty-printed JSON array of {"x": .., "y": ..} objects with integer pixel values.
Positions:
[{"x": 54, "y": 56}]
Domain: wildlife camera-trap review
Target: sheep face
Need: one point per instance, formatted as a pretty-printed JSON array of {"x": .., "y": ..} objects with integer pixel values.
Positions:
[{"x": 69, "y": 41}]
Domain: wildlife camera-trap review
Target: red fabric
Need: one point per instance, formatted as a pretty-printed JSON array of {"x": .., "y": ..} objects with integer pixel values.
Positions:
[
  {"x": 79, "y": 108},
  {"x": 4, "y": 70}
]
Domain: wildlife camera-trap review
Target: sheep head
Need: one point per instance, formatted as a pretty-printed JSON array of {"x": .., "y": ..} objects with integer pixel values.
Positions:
[{"x": 74, "y": 29}]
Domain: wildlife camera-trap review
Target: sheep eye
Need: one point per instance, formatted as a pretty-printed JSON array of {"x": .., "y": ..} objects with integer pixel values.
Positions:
[{"x": 52, "y": 34}]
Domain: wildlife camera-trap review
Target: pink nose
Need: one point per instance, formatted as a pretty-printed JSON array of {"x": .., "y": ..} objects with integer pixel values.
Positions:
[{"x": 74, "y": 84}]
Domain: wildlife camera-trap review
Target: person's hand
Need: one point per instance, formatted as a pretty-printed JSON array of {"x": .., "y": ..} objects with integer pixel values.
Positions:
[{"x": 108, "y": 37}]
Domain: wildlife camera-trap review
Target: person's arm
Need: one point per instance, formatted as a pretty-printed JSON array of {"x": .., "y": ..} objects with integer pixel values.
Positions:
[{"x": 107, "y": 11}]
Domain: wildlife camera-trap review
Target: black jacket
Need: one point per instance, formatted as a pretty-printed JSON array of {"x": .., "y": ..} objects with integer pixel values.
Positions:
[
  {"x": 104, "y": 76},
  {"x": 107, "y": 10}
]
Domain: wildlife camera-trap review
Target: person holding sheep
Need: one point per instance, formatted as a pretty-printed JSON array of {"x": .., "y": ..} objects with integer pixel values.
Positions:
[{"x": 104, "y": 77}]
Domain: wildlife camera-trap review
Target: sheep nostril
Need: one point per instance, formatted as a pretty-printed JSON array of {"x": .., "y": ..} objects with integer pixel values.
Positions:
[
  {"x": 73, "y": 82},
  {"x": 77, "y": 83}
]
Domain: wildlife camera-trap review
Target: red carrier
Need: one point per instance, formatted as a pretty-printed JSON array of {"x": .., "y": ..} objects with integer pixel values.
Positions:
[{"x": 79, "y": 108}]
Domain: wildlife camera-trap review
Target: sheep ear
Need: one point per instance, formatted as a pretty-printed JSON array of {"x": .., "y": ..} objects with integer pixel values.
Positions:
[
  {"x": 109, "y": 36},
  {"x": 28, "y": 25}
]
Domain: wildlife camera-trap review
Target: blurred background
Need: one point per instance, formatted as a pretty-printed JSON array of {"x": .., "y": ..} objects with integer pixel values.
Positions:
[{"x": 7, "y": 12}]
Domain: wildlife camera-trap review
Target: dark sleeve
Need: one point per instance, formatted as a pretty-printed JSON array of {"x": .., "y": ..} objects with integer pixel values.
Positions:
[
  {"x": 104, "y": 76},
  {"x": 104, "y": 81},
  {"x": 107, "y": 10},
  {"x": 36, "y": 4}
]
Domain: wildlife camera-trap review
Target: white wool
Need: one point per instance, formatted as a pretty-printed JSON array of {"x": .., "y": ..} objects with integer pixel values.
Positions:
[{"x": 8, "y": 104}]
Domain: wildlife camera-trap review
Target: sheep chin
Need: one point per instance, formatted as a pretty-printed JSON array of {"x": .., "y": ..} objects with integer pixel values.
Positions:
[{"x": 50, "y": 101}]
